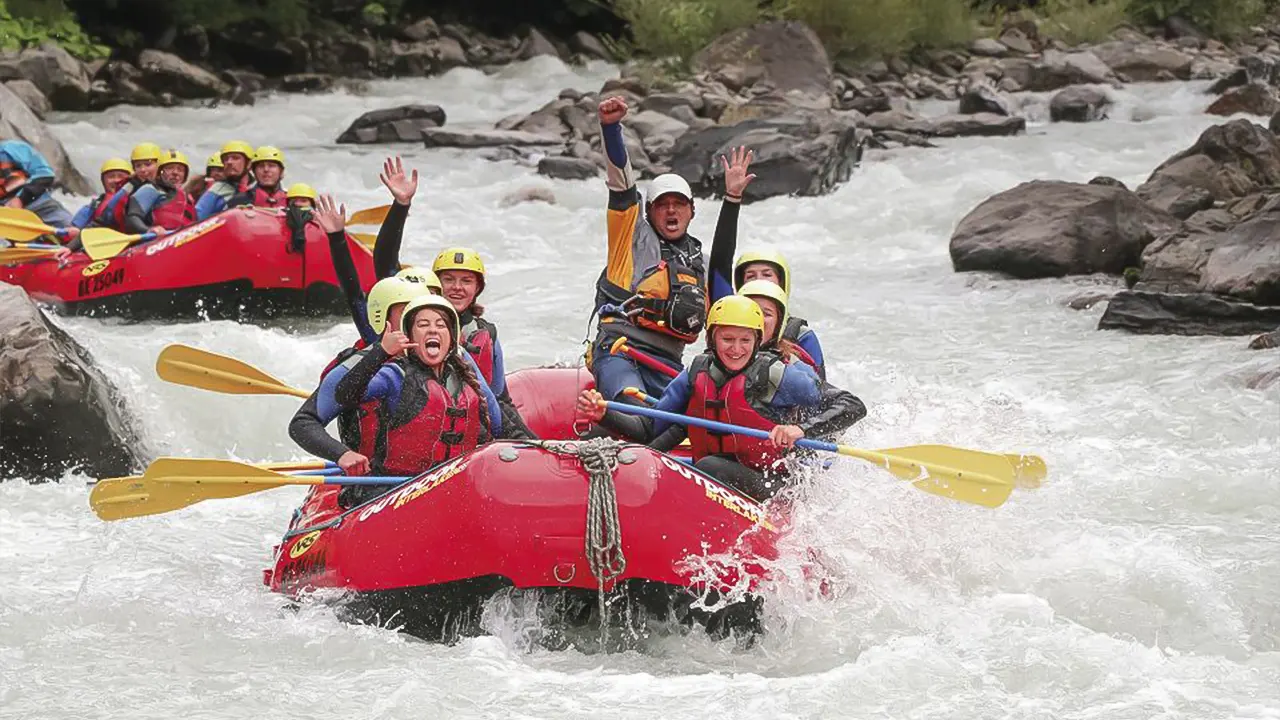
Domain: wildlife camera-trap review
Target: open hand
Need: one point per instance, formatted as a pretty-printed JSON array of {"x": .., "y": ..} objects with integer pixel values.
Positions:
[
  {"x": 612, "y": 110},
  {"x": 736, "y": 178},
  {"x": 402, "y": 186},
  {"x": 331, "y": 216},
  {"x": 785, "y": 436},
  {"x": 353, "y": 463},
  {"x": 589, "y": 405},
  {"x": 395, "y": 342}
]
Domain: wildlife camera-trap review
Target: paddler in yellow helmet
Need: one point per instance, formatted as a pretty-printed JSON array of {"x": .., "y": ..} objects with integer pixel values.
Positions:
[
  {"x": 236, "y": 156},
  {"x": 268, "y": 174},
  {"x": 771, "y": 266}
]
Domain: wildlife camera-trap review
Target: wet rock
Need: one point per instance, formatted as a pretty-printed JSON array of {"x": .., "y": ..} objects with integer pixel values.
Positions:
[
  {"x": 62, "y": 79},
  {"x": 983, "y": 98},
  {"x": 307, "y": 83},
  {"x": 1080, "y": 103},
  {"x": 568, "y": 168},
  {"x": 420, "y": 59},
  {"x": 424, "y": 29},
  {"x": 1229, "y": 161},
  {"x": 399, "y": 124},
  {"x": 794, "y": 155},
  {"x": 535, "y": 44},
  {"x": 441, "y": 137},
  {"x": 648, "y": 122},
  {"x": 1057, "y": 70},
  {"x": 1086, "y": 299},
  {"x": 1242, "y": 261},
  {"x": 1144, "y": 62},
  {"x": 666, "y": 102},
  {"x": 981, "y": 124},
  {"x": 1185, "y": 314},
  {"x": 1176, "y": 26},
  {"x": 164, "y": 72},
  {"x": 589, "y": 45},
  {"x": 119, "y": 83},
  {"x": 18, "y": 121},
  {"x": 57, "y": 410},
  {"x": 1017, "y": 41},
  {"x": 988, "y": 47},
  {"x": 1266, "y": 341},
  {"x": 787, "y": 55},
  {"x": 1108, "y": 181},
  {"x": 1251, "y": 99},
  {"x": 1053, "y": 228},
  {"x": 31, "y": 95}
]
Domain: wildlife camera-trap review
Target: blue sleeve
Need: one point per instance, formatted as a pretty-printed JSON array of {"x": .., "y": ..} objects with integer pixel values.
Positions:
[
  {"x": 146, "y": 197},
  {"x": 384, "y": 385},
  {"x": 800, "y": 387},
  {"x": 117, "y": 197},
  {"x": 209, "y": 204},
  {"x": 499, "y": 384},
  {"x": 491, "y": 402},
  {"x": 720, "y": 286},
  {"x": 675, "y": 399},
  {"x": 614, "y": 145},
  {"x": 360, "y": 314},
  {"x": 809, "y": 341},
  {"x": 82, "y": 217}
]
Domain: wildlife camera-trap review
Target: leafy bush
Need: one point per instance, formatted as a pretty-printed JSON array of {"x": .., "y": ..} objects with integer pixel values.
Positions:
[
  {"x": 28, "y": 23},
  {"x": 1218, "y": 17},
  {"x": 1082, "y": 21},
  {"x": 678, "y": 29}
]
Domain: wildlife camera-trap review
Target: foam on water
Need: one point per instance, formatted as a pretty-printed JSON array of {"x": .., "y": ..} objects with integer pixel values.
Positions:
[{"x": 1140, "y": 582}]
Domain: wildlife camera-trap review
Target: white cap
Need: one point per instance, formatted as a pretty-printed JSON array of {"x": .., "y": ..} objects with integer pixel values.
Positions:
[{"x": 669, "y": 183}]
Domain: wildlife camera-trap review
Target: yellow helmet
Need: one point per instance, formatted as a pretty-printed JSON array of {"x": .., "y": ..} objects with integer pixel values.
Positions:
[
  {"x": 764, "y": 288},
  {"x": 144, "y": 151},
  {"x": 171, "y": 156},
  {"x": 418, "y": 275},
  {"x": 301, "y": 190},
  {"x": 268, "y": 153},
  {"x": 435, "y": 302},
  {"x": 773, "y": 257},
  {"x": 735, "y": 311},
  {"x": 386, "y": 293},
  {"x": 115, "y": 164},
  {"x": 214, "y": 161},
  {"x": 237, "y": 146}
]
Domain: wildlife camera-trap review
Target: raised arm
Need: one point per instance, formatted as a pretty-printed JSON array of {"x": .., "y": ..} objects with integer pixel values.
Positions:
[
  {"x": 332, "y": 219},
  {"x": 386, "y": 250},
  {"x": 725, "y": 243}
]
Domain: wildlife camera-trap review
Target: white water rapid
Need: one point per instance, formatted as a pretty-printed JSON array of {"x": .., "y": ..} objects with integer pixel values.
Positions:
[{"x": 1143, "y": 580}]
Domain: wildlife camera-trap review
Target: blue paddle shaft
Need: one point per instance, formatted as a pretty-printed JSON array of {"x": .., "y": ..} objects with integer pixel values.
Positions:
[
  {"x": 713, "y": 425},
  {"x": 365, "y": 480}
]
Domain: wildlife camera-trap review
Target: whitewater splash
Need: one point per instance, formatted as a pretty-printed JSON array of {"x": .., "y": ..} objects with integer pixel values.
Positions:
[{"x": 1140, "y": 582}]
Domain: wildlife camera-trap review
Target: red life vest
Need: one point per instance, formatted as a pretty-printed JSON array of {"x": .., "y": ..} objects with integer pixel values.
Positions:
[
  {"x": 729, "y": 404},
  {"x": 429, "y": 425},
  {"x": 99, "y": 216},
  {"x": 178, "y": 211},
  {"x": 270, "y": 199},
  {"x": 113, "y": 217},
  {"x": 479, "y": 343}
]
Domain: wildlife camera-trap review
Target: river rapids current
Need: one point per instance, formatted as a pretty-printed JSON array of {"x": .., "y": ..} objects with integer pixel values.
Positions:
[{"x": 1142, "y": 581}]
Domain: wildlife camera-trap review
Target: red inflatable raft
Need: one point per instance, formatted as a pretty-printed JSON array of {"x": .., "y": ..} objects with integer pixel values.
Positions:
[
  {"x": 426, "y": 556},
  {"x": 238, "y": 264}
]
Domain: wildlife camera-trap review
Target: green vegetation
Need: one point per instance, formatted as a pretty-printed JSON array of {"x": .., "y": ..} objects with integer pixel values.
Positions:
[
  {"x": 874, "y": 28},
  {"x": 28, "y": 23}
]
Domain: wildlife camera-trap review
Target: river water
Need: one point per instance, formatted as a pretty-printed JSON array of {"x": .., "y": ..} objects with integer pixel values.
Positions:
[{"x": 1140, "y": 582}]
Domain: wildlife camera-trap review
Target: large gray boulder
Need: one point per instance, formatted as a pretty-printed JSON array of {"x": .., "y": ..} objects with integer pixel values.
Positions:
[
  {"x": 59, "y": 76},
  {"x": 57, "y": 410},
  {"x": 1050, "y": 228},
  {"x": 1145, "y": 61},
  {"x": 794, "y": 155},
  {"x": 788, "y": 56},
  {"x": 1228, "y": 161},
  {"x": 1153, "y": 313},
  {"x": 164, "y": 72},
  {"x": 17, "y": 121},
  {"x": 398, "y": 124},
  {"x": 1079, "y": 103}
]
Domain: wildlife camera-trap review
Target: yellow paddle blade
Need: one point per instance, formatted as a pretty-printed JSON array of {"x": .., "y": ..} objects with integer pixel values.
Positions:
[
  {"x": 1029, "y": 470},
  {"x": 174, "y": 483},
  {"x": 105, "y": 243},
  {"x": 17, "y": 255},
  {"x": 970, "y": 476},
  {"x": 369, "y": 216},
  {"x": 291, "y": 466},
  {"x": 193, "y": 367},
  {"x": 22, "y": 225},
  {"x": 366, "y": 239}
]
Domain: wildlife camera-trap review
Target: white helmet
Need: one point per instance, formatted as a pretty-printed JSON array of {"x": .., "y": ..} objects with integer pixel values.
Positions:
[{"x": 670, "y": 183}]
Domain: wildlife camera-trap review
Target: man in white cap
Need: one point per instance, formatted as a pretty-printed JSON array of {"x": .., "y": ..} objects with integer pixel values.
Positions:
[{"x": 653, "y": 290}]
